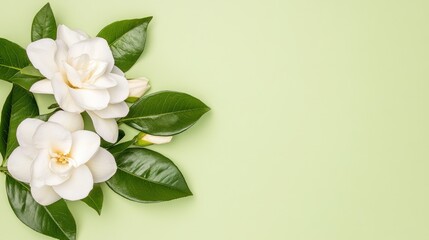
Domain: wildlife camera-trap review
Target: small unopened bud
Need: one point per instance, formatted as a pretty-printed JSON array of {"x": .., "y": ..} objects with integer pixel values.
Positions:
[
  {"x": 138, "y": 87},
  {"x": 144, "y": 139}
]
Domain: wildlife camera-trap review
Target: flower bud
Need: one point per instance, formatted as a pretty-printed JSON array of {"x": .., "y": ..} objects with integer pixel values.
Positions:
[
  {"x": 138, "y": 87},
  {"x": 144, "y": 139}
]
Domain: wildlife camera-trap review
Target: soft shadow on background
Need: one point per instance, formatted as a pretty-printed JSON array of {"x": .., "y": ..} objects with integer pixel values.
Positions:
[{"x": 319, "y": 128}]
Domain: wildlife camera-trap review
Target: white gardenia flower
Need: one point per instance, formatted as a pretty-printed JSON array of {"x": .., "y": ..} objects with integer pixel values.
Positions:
[
  {"x": 80, "y": 72},
  {"x": 138, "y": 87},
  {"x": 59, "y": 159}
]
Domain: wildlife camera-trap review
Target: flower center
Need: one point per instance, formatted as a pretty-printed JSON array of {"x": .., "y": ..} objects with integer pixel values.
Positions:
[
  {"x": 60, "y": 163},
  {"x": 60, "y": 158},
  {"x": 82, "y": 71}
]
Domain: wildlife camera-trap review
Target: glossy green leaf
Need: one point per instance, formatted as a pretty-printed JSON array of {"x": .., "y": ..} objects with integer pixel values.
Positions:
[
  {"x": 127, "y": 39},
  {"x": 13, "y": 58},
  {"x": 116, "y": 149},
  {"x": 4, "y": 125},
  {"x": 45, "y": 117},
  {"x": 19, "y": 105},
  {"x": 95, "y": 199},
  {"x": 25, "y": 81},
  {"x": 54, "y": 220},
  {"x": 147, "y": 176},
  {"x": 53, "y": 106},
  {"x": 44, "y": 25},
  {"x": 30, "y": 70},
  {"x": 165, "y": 113}
]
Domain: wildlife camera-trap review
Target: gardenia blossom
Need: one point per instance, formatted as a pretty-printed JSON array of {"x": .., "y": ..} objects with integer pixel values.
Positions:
[
  {"x": 59, "y": 159},
  {"x": 80, "y": 72}
]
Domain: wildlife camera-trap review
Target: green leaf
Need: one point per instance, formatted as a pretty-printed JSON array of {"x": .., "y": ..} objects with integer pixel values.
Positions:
[
  {"x": 25, "y": 81},
  {"x": 53, "y": 106},
  {"x": 26, "y": 77},
  {"x": 4, "y": 125},
  {"x": 19, "y": 105},
  {"x": 13, "y": 58},
  {"x": 45, "y": 117},
  {"x": 127, "y": 39},
  {"x": 147, "y": 176},
  {"x": 165, "y": 113},
  {"x": 44, "y": 25},
  {"x": 30, "y": 70},
  {"x": 116, "y": 149},
  {"x": 95, "y": 199},
  {"x": 54, "y": 220}
]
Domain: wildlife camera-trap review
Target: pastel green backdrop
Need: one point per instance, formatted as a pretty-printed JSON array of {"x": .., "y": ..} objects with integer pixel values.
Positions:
[{"x": 319, "y": 128}]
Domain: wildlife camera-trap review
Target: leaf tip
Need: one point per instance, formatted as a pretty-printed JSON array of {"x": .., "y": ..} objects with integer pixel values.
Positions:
[{"x": 46, "y": 6}]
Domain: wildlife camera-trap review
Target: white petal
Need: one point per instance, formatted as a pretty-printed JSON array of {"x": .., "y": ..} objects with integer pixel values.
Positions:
[
  {"x": 99, "y": 68},
  {"x": 104, "y": 81},
  {"x": 42, "y": 55},
  {"x": 44, "y": 195},
  {"x": 73, "y": 76},
  {"x": 96, "y": 48},
  {"x": 41, "y": 171},
  {"x": 138, "y": 87},
  {"x": 43, "y": 86},
  {"x": 71, "y": 121},
  {"x": 61, "y": 55},
  {"x": 60, "y": 169},
  {"x": 62, "y": 95},
  {"x": 113, "y": 111},
  {"x": 69, "y": 36},
  {"x": 54, "y": 137},
  {"x": 77, "y": 186},
  {"x": 102, "y": 165},
  {"x": 118, "y": 71},
  {"x": 85, "y": 145},
  {"x": 106, "y": 128},
  {"x": 19, "y": 163},
  {"x": 157, "y": 139},
  {"x": 119, "y": 92},
  {"x": 26, "y": 130},
  {"x": 90, "y": 99}
]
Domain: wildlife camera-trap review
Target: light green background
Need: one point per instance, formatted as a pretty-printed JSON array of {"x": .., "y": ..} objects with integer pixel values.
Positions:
[{"x": 320, "y": 120}]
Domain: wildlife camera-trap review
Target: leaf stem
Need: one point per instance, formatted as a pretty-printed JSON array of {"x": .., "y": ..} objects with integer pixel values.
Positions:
[{"x": 4, "y": 170}]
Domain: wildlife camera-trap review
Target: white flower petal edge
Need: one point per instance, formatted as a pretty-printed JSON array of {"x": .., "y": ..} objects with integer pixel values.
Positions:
[
  {"x": 80, "y": 72},
  {"x": 72, "y": 121},
  {"x": 43, "y": 86},
  {"x": 42, "y": 55},
  {"x": 44, "y": 195},
  {"x": 102, "y": 165},
  {"x": 107, "y": 128},
  {"x": 85, "y": 145},
  {"x": 61, "y": 160},
  {"x": 26, "y": 130},
  {"x": 138, "y": 87},
  {"x": 21, "y": 165},
  {"x": 69, "y": 36},
  {"x": 80, "y": 181}
]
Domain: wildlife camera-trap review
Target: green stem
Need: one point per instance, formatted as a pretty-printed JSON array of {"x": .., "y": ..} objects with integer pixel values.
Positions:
[{"x": 4, "y": 170}]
